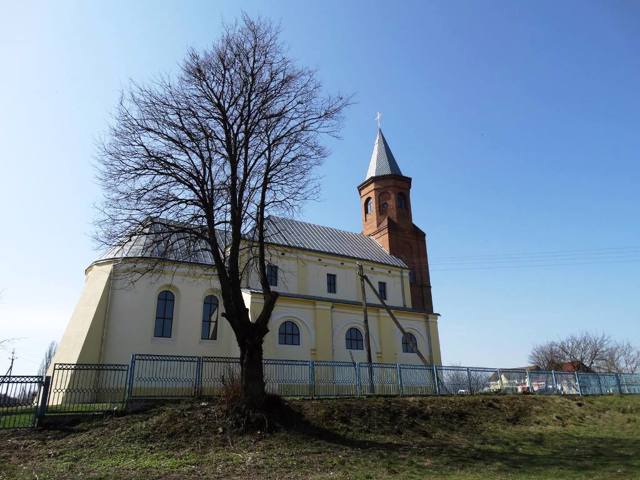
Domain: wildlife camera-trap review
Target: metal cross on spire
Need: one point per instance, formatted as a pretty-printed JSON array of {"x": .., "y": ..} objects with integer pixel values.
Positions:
[{"x": 379, "y": 118}]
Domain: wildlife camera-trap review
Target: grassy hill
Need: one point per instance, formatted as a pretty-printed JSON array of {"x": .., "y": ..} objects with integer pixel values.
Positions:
[{"x": 378, "y": 438}]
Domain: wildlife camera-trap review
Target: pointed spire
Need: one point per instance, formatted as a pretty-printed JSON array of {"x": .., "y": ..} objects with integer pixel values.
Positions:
[{"x": 382, "y": 161}]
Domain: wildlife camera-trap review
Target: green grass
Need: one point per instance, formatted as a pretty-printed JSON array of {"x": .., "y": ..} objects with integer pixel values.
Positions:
[
  {"x": 494, "y": 437},
  {"x": 19, "y": 417}
]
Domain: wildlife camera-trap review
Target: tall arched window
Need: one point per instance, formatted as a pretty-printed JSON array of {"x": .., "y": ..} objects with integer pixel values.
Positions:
[
  {"x": 210, "y": 318},
  {"x": 288, "y": 333},
  {"x": 401, "y": 201},
  {"x": 164, "y": 314},
  {"x": 409, "y": 343},
  {"x": 368, "y": 206},
  {"x": 354, "y": 339}
]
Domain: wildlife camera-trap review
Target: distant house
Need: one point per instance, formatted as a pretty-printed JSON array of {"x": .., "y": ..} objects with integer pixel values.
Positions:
[{"x": 576, "y": 366}]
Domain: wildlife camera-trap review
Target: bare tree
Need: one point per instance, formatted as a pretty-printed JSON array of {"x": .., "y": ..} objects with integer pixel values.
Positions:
[
  {"x": 623, "y": 357},
  {"x": 202, "y": 160},
  {"x": 47, "y": 359},
  {"x": 587, "y": 350},
  {"x": 546, "y": 356}
]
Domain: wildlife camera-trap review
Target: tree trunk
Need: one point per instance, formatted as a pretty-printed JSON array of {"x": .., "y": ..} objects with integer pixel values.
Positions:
[{"x": 252, "y": 374}]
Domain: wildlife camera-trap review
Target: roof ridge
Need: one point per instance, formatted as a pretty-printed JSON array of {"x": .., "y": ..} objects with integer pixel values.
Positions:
[{"x": 318, "y": 225}]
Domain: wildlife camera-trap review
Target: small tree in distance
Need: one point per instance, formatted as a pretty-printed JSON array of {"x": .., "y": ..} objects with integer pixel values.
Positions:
[
  {"x": 47, "y": 359},
  {"x": 203, "y": 159}
]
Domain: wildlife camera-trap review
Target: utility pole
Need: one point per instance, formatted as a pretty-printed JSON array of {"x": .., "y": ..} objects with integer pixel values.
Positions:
[
  {"x": 367, "y": 336},
  {"x": 7, "y": 375},
  {"x": 12, "y": 358}
]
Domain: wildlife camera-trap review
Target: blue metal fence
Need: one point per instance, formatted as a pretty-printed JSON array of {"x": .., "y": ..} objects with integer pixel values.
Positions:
[
  {"x": 171, "y": 376},
  {"x": 90, "y": 388}
]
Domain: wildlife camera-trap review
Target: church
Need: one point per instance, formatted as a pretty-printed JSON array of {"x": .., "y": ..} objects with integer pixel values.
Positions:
[{"x": 319, "y": 314}]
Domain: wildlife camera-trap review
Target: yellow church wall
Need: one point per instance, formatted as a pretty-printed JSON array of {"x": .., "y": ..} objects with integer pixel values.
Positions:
[
  {"x": 324, "y": 331},
  {"x": 435, "y": 339},
  {"x": 130, "y": 326},
  {"x": 82, "y": 339},
  {"x": 305, "y": 273},
  {"x": 302, "y": 314},
  {"x": 115, "y": 317}
]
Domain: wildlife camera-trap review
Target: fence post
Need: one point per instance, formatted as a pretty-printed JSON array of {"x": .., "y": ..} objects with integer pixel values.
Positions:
[
  {"x": 132, "y": 372},
  {"x": 578, "y": 383},
  {"x": 529, "y": 384},
  {"x": 435, "y": 379},
  {"x": 312, "y": 378},
  {"x": 469, "y": 379},
  {"x": 198, "y": 379},
  {"x": 500, "y": 380},
  {"x": 618, "y": 383},
  {"x": 44, "y": 400},
  {"x": 624, "y": 380},
  {"x": 358, "y": 383},
  {"x": 399, "y": 375},
  {"x": 599, "y": 384},
  {"x": 555, "y": 383}
]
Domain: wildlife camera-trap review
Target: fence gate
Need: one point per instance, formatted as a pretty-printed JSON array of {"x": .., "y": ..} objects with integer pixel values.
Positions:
[{"x": 19, "y": 400}]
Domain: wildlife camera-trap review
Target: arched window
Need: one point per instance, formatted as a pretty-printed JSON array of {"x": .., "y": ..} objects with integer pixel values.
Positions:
[
  {"x": 354, "y": 339},
  {"x": 164, "y": 314},
  {"x": 368, "y": 206},
  {"x": 210, "y": 318},
  {"x": 289, "y": 334},
  {"x": 401, "y": 201},
  {"x": 409, "y": 343}
]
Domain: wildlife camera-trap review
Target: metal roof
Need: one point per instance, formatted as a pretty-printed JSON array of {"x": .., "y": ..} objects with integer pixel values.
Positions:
[
  {"x": 155, "y": 241},
  {"x": 318, "y": 238},
  {"x": 382, "y": 160}
]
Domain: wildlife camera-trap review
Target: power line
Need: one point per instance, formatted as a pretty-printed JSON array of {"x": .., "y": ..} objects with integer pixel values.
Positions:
[
  {"x": 545, "y": 252},
  {"x": 548, "y": 259},
  {"x": 608, "y": 252},
  {"x": 532, "y": 265}
]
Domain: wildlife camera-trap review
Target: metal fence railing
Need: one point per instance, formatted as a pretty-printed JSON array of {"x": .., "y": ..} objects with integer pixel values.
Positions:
[
  {"x": 164, "y": 376},
  {"x": 87, "y": 388},
  {"x": 91, "y": 388},
  {"x": 19, "y": 395},
  {"x": 170, "y": 376}
]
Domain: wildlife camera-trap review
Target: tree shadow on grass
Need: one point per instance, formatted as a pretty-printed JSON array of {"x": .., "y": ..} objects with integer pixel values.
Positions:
[{"x": 531, "y": 453}]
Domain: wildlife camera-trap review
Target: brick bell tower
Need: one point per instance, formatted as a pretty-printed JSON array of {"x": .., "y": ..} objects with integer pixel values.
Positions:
[{"x": 385, "y": 204}]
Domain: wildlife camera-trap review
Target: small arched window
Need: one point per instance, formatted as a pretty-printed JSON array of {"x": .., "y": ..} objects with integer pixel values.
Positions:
[
  {"x": 354, "y": 339},
  {"x": 401, "y": 201},
  {"x": 383, "y": 202},
  {"x": 210, "y": 318},
  {"x": 368, "y": 206},
  {"x": 289, "y": 334},
  {"x": 164, "y": 314},
  {"x": 409, "y": 343}
]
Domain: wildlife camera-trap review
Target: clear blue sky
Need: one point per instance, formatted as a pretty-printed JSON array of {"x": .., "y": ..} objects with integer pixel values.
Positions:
[{"x": 518, "y": 121}]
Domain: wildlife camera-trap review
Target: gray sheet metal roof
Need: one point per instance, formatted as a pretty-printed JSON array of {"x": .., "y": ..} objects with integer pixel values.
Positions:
[
  {"x": 382, "y": 160},
  {"x": 318, "y": 238},
  {"x": 155, "y": 242}
]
